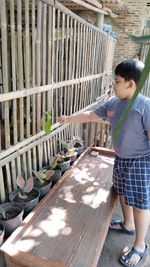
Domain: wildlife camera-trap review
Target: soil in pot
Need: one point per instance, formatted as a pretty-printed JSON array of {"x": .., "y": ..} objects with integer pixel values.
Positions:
[
  {"x": 28, "y": 203},
  {"x": 13, "y": 216},
  {"x": 43, "y": 188},
  {"x": 2, "y": 233}
]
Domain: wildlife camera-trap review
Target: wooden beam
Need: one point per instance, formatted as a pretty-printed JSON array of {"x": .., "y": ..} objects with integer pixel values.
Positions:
[
  {"x": 88, "y": 6},
  {"x": 95, "y": 3}
]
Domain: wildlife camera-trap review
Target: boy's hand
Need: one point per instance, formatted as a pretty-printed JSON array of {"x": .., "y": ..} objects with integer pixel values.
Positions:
[{"x": 63, "y": 119}]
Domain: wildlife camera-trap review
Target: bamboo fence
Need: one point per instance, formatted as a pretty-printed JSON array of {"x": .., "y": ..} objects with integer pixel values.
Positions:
[{"x": 51, "y": 60}]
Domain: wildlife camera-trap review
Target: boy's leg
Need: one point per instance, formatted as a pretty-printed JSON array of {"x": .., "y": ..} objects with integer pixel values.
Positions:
[
  {"x": 142, "y": 220},
  {"x": 127, "y": 214}
]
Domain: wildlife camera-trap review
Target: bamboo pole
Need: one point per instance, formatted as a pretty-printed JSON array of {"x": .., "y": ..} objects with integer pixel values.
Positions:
[
  {"x": 34, "y": 159},
  {"x": 44, "y": 55},
  {"x": 4, "y": 43},
  {"x": 38, "y": 63},
  {"x": 27, "y": 82},
  {"x": 2, "y": 187},
  {"x": 20, "y": 71},
  {"x": 54, "y": 86},
  {"x": 13, "y": 60},
  {"x": 66, "y": 64},
  {"x": 50, "y": 41}
]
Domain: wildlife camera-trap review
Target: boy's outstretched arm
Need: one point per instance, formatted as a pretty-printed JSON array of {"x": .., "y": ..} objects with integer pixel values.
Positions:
[{"x": 87, "y": 116}]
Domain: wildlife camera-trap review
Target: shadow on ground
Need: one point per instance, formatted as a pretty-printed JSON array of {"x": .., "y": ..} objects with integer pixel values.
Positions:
[{"x": 115, "y": 243}]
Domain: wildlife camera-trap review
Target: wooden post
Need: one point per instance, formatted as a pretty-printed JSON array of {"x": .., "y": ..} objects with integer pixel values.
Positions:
[{"x": 100, "y": 20}]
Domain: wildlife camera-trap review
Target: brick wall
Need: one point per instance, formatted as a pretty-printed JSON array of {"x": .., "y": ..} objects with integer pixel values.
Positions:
[{"x": 133, "y": 22}]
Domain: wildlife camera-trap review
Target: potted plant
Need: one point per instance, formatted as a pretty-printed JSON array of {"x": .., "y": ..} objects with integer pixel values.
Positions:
[
  {"x": 43, "y": 180},
  {"x": 2, "y": 233},
  {"x": 63, "y": 161},
  {"x": 69, "y": 150},
  {"x": 78, "y": 144},
  {"x": 57, "y": 171},
  {"x": 26, "y": 194},
  {"x": 11, "y": 215}
]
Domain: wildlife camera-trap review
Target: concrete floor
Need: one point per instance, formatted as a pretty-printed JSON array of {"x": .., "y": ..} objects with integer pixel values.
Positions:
[
  {"x": 113, "y": 246},
  {"x": 115, "y": 243}
]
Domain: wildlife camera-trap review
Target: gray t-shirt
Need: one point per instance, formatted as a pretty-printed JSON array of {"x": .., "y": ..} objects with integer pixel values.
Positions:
[{"x": 132, "y": 141}]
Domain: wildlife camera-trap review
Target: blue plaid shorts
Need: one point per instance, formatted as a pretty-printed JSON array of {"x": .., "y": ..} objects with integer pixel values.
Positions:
[{"x": 131, "y": 178}]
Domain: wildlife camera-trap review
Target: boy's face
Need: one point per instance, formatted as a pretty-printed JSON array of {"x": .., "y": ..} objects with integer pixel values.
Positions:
[{"x": 124, "y": 89}]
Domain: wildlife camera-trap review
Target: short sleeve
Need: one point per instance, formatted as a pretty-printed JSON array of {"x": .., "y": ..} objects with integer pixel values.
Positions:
[
  {"x": 146, "y": 116},
  {"x": 101, "y": 111}
]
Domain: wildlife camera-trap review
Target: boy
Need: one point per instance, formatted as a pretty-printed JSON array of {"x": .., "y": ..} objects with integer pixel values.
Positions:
[{"x": 131, "y": 174}]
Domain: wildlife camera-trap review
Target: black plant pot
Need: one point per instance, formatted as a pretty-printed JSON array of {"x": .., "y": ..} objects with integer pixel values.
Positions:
[
  {"x": 79, "y": 148},
  {"x": 43, "y": 188},
  {"x": 56, "y": 176},
  {"x": 73, "y": 158},
  {"x": 64, "y": 166},
  {"x": 28, "y": 203},
  {"x": 2, "y": 233},
  {"x": 14, "y": 216}
]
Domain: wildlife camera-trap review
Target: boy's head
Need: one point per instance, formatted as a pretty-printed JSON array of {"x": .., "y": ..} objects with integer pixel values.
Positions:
[{"x": 127, "y": 74}]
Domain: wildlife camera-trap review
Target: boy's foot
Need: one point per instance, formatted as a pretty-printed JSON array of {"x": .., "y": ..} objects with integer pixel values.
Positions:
[
  {"x": 118, "y": 226},
  {"x": 134, "y": 257}
]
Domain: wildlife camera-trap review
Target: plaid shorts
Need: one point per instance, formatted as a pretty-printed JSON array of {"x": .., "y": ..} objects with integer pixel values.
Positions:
[{"x": 131, "y": 178}]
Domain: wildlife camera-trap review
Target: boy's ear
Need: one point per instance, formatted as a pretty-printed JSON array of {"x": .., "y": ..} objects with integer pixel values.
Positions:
[{"x": 132, "y": 84}]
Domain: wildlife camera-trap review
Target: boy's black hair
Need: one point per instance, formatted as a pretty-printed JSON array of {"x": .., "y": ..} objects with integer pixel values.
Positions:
[{"x": 130, "y": 69}]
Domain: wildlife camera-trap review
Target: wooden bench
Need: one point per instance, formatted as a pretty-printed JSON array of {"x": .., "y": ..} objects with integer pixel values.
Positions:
[{"x": 69, "y": 226}]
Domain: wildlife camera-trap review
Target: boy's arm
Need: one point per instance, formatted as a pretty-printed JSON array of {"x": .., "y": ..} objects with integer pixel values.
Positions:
[
  {"x": 148, "y": 134},
  {"x": 86, "y": 116}
]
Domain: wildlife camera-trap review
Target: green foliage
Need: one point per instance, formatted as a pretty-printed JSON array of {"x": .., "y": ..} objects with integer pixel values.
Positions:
[
  {"x": 46, "y": 122},
  {"x": 43, "y": 175}
]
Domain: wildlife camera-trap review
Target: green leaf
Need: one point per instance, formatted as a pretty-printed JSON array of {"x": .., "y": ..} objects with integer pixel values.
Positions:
[
  {"x": 140, "y": 85},
  {"x": 47, "y": 127},
  {"x": 46, "y": 122}
]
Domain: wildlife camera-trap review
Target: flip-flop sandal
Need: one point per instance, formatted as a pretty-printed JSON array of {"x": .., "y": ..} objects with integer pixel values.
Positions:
[
  {"x": 122, "y": 229},
  {"x": 143, "y": 255}
]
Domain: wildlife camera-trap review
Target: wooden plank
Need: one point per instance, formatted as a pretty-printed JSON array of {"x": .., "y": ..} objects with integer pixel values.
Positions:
[{"x": 27, "y": 260}]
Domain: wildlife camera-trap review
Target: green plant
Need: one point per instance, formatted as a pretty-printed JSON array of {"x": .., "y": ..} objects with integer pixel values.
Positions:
[
  {"x": 46, "y": 122},
  {"x": 25, "y": 185},
  {"x": 43, "y": 175}
]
